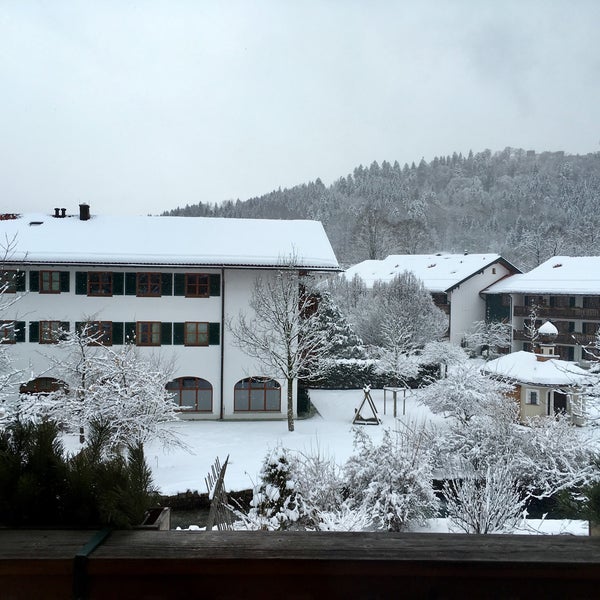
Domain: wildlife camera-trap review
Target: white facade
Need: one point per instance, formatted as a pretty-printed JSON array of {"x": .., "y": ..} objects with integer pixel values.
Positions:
[
  {"x": 198, "y": 295},
  {"x": 454, "y": 280}
]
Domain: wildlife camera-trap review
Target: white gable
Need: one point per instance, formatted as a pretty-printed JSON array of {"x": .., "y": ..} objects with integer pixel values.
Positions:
[
  {"x": 168, "y": 241},
  {"x": 558, "y": 275},
  {"x": 438, "y": 272}
]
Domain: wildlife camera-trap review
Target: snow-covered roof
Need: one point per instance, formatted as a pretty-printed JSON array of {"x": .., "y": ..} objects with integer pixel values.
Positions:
[
  {"x": 524, "y": 367},
  {"x": 558, "y": 275},
  {"x": 438, "y": 272},
  {"x": 201, "y": 241}
]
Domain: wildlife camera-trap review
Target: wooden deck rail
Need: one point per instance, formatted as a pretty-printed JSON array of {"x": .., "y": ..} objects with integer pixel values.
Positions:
[{"x": 171, "y": 564}]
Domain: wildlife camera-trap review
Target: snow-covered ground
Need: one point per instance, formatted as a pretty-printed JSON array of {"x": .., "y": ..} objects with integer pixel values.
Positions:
[{"x": 246, "y": 443}]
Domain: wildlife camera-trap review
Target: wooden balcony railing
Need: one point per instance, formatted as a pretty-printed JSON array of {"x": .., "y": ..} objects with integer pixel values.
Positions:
[
  {"x": 550, "y": 312},
  {"x": 562, "y": 339},
  {"x": 265, "y": 565}
]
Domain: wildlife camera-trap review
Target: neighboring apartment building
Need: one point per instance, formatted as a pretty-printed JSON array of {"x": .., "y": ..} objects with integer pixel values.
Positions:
[
  {"x": 564, "y": 290},
  {"x": 168, "y": 284},
  {"x": 455, "y": 281}
]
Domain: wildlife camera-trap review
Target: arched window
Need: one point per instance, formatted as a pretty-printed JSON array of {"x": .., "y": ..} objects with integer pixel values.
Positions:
[
  {"x": 191, "y": 393},
  {"x": 43, "y": 385},
  {"x": 259, "y": 394}
]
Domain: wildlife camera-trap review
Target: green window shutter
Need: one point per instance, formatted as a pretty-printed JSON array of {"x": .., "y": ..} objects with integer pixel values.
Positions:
[
  {"x": 167, "y": 284},
  {"x": 179, "y": 284},
  {"x": 178, "y": 335},
  {"x": 117, "y": 333},
  {"x": 65, "y": 325},
  {"x": 118, "y": 284},
  {"x": 34, "y": 331},
  {"x": 65, "y": 281},
  {"x": 20, "y": 281},
  {"x": 215, "y": 285},
  {"x": 214, "y": 330},
  {"x": 19, "y": 331},
  {"x": 79, "y": 325},
  {"x": 130, "y": 333},
  {"x": 166, "y": 333},
  {"x": 130, "y": 284},
  {"x": 34, "y": 281},
  {"x": 81, "y": 279}
]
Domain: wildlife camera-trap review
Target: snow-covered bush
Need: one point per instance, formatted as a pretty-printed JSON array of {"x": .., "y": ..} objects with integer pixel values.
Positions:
[{"x": 394, "y": 480}]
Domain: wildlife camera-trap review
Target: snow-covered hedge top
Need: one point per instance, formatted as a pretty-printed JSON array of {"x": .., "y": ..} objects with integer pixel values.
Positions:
[
  {"x": 524, "y": 367},
  {"x": 168, "y": 241},
  {"x": 558, "y": 275},
  {"x": 438, "y": 272}
]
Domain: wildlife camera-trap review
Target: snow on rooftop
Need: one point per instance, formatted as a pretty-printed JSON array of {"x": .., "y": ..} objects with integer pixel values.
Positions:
[
  {"x": 168, "y": 241},
  {"x": 438, "y": 272},
  {"x": 524, "y": 367},
  {"x": 558, "y": 275}
]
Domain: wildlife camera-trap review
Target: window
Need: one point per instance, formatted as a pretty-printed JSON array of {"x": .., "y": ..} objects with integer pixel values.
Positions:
[
  {"x": 12, "y": 281},
  {"x": 196, "y": 334},
  {"x": 191, "y": 393},
  {"x": 148, "y": 333},
  {"x": 149, "y": 284},
  {"x": 50, "y": 332},
  {"x": 7, "y": 332},
  {"x": 43, "y": 385},
  {"x": 259, "y": 394},
  {"x": 100, "y": 332},
  {"x": 100, "y": 283},
  {"x": 197, "y": 285},
  {"x": 50, "y": 282},
  {"x": 533, "y": 397}
]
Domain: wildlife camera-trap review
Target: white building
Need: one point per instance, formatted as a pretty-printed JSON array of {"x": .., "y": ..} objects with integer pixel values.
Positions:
[
  {"x": 563, "y": 289},
  {"x": 168, "y": 284},
  {"x": 455, "y": 281}
]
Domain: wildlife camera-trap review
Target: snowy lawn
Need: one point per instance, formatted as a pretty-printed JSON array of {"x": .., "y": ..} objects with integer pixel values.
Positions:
[{"x": 247, "y": 442}]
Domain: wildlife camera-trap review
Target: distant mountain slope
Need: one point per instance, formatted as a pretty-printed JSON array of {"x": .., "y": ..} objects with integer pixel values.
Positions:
[{"x": 526, "y": 206}]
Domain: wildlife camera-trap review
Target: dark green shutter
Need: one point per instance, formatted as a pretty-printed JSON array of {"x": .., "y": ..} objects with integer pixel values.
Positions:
[
  {"x": 130, "y": 284},
  {"x": 214, "y": 333},
  {"x": 20, "y": 331},
  {"x": 34, "y": 281},
  {"x": 178, "y": 334},
  {"x": 20, "y": 281},
  {"x": 65, "y": 326},
  {"x": 34, "y": 331},
  {"x": 130, "y": 333},
  {"x": 117, "y": 284},
  {"x": 215, "y": 285},
  {"x": 179, "y": 284},
  {"x": 166, "y": 333},
  {"x": 79, "y": 326},
  {"x": 166, "y": 284},
  {"x": 81, "y": 279},
  {"x": 65, "y": 281},
  {"x": 117, "y": 333}
]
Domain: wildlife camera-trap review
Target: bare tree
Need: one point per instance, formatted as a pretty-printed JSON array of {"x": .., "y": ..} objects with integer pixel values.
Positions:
[
  {"x": 282, "y": 331},
  {"x": 489, "y": 337}
]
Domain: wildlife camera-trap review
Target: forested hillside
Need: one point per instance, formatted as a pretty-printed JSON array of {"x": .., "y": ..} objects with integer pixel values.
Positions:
[{"x": 527, "y": 206}]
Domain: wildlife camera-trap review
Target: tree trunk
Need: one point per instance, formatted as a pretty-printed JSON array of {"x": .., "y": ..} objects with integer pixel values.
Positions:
[{"x": 290, "y": 404}]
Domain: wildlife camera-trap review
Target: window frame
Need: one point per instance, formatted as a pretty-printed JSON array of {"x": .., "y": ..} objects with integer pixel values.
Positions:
[
  {"x": 51, "y": 274},
  {"x": 195, "y": 341},
  {"x": 149, "y": 284},
  {"x": 50, "y": 332},
  {"x": 197, "y": 286},
  {"x": 8, "y": 326},
  {"x": 92, "y": 285},
  {"x": 155, "y": 330},
  {"x": 255, "y": 384},
  {"x": 8, "y": 278},
  {"x": 102, "y": 329},
  {"x": 178, "y": 390},
  {"x": 530, "y": 395},
  {"x": 53, "y": 385}
]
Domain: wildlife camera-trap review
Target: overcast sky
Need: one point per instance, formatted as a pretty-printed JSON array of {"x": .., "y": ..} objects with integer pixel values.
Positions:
[{"x": 139, "y": 107}]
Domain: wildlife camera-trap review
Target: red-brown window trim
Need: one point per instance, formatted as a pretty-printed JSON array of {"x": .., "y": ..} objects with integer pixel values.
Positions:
[
  {"x": 50, "y": 274},
  {"x": 176, "y": 386},
  {"x": 201, "y": 289},
  {"x": 10, "y": 326},
  {"x": 50, "y": 327},
  {"x": 103, "y": 329},
  {"x": 256, "y": 384},
  {"x": 152, "y": 325},
  {"x": 149, "y": 284},
  {"x": 95, "y": 280},
  {"x": 8, "y": 281},
  {"x": 196, "y": 334}
]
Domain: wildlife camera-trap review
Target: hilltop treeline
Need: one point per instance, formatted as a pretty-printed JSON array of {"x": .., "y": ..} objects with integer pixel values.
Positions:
[{"x": 526, "y": 206}]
